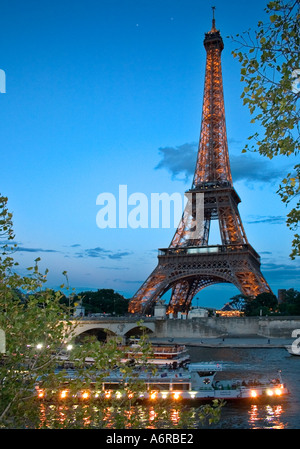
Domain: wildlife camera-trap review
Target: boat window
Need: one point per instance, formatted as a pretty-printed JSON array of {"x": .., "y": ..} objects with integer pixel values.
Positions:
[
  {"x": 206, "y": 373},
  {"x": 181, "y": 387},
  {"x": 111, "y": 386},
  {"x": 159, "y": 386}
]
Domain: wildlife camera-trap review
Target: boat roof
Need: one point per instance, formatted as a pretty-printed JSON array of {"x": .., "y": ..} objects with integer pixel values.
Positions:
[{"x": 205, "y": 366}]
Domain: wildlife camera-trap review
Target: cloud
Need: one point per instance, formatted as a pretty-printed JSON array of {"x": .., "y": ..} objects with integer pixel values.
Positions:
[
  {"x": 271, "y": 219},
  {"x": 9, "y": 242},
  {"x": 96, "y": 252},
  {"x": 93, "y": 252},
  {"x": 128, "y": 281},
  {"x": 279, "y": 273},
  {"x": 112, "y": 268},
  {"x": 101, "y": 253},
  {"x": 36, "y": 250},
  {"x": 119, "y": 255},
  {"x": 180, "y": 161},
  {"x": 21, "y": 248},
  {"x": 247, "y": 168},
  {"x": 272, "y": 266}
]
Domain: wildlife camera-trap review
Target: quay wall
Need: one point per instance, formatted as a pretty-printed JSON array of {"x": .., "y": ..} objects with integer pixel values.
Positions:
[{"x": 214, "y": 327}]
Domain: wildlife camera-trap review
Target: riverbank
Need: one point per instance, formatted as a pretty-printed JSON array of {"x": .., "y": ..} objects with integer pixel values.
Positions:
[{"x": 227, "y": 342}]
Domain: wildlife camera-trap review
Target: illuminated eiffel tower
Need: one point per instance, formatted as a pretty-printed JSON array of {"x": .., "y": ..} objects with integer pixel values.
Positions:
[{"x": 190, "y": 264}]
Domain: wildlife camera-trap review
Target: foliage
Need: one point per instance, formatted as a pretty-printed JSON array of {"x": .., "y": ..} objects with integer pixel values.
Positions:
[
  {"x": 237, "y": 302},
  {"x": 262, "y": 304},
  {"x": 267, "y": 303},
  {"x": 270, "y": 63},
  {"x": 37, "y": 328},
  {"x": 290, "y": 304},
  {"x": 103, "y": 301}
]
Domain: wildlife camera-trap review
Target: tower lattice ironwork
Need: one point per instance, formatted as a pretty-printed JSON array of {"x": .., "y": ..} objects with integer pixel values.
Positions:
[{"x": 189, "y": 264}]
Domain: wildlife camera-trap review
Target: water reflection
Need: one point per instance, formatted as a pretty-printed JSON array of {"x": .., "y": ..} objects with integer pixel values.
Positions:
[
  {"x": 268, "y": 416},
  {"x": 260, "y": 416},
  {"x": 79, "y": 416}
]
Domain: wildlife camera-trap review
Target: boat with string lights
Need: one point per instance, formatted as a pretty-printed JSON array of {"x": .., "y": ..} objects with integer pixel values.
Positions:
[{"x": 196, "y": 382}]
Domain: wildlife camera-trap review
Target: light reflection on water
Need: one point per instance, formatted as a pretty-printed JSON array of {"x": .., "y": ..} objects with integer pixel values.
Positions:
[
  {"x": 271, "y": 415},
  {"x": 64, "y": 416},
  {"x": 259, "y": 416}
]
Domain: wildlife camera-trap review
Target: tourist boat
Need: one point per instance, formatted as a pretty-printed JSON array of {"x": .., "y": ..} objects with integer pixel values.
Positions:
[
  {"x": 196, "y": 382},
  {"x": 162, "y": 355},
  {"x": 293, "y": 351}
]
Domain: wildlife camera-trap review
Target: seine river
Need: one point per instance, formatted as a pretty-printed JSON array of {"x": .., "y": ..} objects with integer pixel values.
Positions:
[{"x": 253, "y": 363}]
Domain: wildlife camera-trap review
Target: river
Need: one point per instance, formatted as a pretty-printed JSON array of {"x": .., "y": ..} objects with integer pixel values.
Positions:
[{"x": 253, "y": 363}]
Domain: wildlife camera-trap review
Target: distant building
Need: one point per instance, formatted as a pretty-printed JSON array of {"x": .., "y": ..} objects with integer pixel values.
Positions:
[
  {"x": 281, "y": 295},
  {"x": 228, "y": 310},
  {"x": 160, "y": 309},
  {"x": 79, "y": 310},
  {"x": 198, "y": 312}
]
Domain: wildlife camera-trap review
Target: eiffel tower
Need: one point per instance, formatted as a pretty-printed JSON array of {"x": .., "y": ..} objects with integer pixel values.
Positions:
[{"x": 189, "y": 264}]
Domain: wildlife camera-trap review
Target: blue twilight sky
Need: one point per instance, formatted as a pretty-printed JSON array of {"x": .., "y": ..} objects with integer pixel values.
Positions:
[{"x": 102, "y": 93}]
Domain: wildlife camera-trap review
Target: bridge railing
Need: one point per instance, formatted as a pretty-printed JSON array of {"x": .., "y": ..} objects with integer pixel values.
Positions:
[{"x": 116, "y": 318}]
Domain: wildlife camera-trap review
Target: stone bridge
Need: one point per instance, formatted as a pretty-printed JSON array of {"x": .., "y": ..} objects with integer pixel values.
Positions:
[
  {"x": 193, "y": 329},
  {"x": 114, "y": 327}
]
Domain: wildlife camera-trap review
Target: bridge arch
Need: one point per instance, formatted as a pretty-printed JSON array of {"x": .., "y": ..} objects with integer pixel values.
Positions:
[
  {"x": 102, "y": 334},
  {"x": 122, "y": 328},
  {"x": 138, "y": 332}
]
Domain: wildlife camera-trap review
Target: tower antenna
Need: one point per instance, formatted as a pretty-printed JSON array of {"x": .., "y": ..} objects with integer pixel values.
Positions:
[{"x": 213, "y": 19}]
